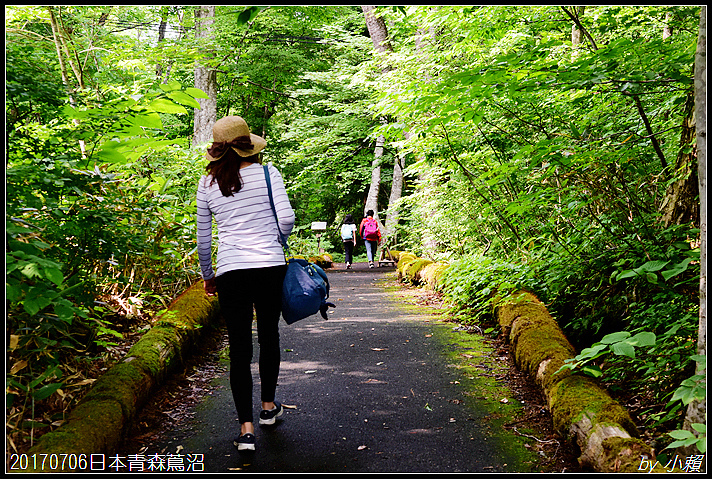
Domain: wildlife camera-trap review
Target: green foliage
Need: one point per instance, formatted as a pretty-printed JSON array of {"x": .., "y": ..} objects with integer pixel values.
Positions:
[
  {"x": 691, "y": 389},
  {"x": 91, "y": 215},
  {"x": 688, "y": 438},
  {"x": 621, "y": 343},
  {"x": 473, "y": 284},
  {"x": 529, "y": 165}
]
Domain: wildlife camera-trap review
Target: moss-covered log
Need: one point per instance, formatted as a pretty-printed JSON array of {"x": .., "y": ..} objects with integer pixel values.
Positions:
[
  {"x": 582, "y": 410},
  {"x": 418, "y": 271},
  {"x": 98, "y": 424}
]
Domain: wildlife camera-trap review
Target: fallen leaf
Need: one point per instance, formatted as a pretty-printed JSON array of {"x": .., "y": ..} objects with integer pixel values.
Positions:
[
  {"x": 361, "y": 448},
  {"x": 18, "y": 366}
]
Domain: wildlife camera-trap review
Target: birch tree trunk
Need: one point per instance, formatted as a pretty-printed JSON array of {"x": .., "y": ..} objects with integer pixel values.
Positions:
[
  {"x": 379, "y": 36},
  {"x": 205, "y": 79},
  {"x": 575, "y": 30}
]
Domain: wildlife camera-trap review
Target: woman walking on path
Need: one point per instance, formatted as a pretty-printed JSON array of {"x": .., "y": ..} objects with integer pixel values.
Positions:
[
  {"x": 371, "y": 234},
  {"x": 250, "y": 261},
  {"x": 348, "y": 236}
]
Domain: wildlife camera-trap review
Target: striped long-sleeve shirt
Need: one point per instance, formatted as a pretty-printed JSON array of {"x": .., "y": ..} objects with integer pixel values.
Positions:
[{"x": 247, "y": 231}]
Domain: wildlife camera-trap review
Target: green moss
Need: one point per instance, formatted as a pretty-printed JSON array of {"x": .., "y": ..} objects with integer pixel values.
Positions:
[
  {"x": 539, "y": 346},
  {"x": 577, "y": 396},
  {"x": 412, "y": 270},
  {"x": 540, "y": 349},
  {"x": 536, "y": 340},
  {"x": 432, "y": 273},
  {"x": 403, "y": 260},
  {"x": 94, "y": 427},
  {"x": 624, "y": 454}
]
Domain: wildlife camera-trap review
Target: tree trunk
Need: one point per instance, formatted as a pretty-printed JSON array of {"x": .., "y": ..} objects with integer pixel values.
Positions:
[
  {"x": 379, "y": 36},
  {"x": 575, "y": 30},
  {"x": 206, "y": 80},
  {"x": 57, "y": 36},
  {"x": 697, "y": 410},
  {"x": 680, "y": 204},
  {"x": 667, "y": 29},
  {"x": 377, "y": 30},
  {"x": 396, "y": 193},
  {"x": 161, "y": 36},
  {"x": 372, "y": 198}
]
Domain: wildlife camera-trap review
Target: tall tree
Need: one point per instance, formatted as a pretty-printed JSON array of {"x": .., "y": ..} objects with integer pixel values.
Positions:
[
  {"x": 697, "y": 410},
  {"x": 205, "y": 79},
  {"x": 379, "y": 35}
]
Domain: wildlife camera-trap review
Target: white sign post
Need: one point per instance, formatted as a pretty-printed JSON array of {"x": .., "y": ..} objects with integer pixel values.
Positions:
[{"x": 318, "y": 226}]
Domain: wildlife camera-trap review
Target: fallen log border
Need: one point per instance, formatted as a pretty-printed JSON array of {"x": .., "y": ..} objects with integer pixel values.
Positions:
[
  {"x": 582, "y": 410},
  {"x": 101, "y": 420}
]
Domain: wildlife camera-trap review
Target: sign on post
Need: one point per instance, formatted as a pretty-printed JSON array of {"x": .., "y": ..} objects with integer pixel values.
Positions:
[{"x": 319, "y": 226}]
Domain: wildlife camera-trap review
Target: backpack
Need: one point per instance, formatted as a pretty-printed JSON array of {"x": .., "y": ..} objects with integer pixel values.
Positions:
[
  {"x": 370, "y": 230},
  {"x": 347, "y": 232}
]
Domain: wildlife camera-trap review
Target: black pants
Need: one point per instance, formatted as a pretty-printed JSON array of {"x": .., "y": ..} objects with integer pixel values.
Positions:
[
  {"x": 349, "y": 251},
  {"x": 238, "y": 291}
]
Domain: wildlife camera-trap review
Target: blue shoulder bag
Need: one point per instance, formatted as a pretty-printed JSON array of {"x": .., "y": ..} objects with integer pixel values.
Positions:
[{"x": 306, "y": 286}]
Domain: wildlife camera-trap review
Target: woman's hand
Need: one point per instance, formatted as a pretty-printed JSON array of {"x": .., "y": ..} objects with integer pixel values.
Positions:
[{"x": 210, "y": 288}]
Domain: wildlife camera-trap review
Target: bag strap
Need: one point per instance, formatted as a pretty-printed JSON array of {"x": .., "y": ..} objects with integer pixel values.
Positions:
[{"x": 285, "y": 246}]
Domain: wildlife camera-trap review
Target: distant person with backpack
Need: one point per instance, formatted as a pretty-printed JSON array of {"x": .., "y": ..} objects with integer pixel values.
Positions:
[
  {"x": 371, "y": 235},
  {"x": 348, "y": 236}
]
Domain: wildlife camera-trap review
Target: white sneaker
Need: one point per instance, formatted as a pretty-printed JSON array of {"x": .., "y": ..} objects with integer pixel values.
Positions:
[{"x": 267, "y": 418}]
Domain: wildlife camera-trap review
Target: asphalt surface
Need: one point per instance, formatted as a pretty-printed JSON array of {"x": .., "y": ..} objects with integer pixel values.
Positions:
[{"x": 367, "y": 391}]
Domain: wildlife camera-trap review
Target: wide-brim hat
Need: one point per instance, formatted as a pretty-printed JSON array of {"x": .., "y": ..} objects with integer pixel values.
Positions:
[{"x": 233, "y": 132}]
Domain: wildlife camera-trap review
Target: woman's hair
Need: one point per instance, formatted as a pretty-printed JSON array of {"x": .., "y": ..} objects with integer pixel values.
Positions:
[
  {"x": 348, "y": 220},
  {"x": 226, "y": 171},
  {"x": 369, "y": 213}
]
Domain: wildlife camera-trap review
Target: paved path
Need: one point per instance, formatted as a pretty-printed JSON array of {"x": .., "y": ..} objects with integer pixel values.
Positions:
[{"x": 367, "y": 391}]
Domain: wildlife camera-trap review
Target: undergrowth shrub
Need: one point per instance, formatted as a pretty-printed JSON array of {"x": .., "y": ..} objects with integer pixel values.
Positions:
[{"x": 471, "y": 285}]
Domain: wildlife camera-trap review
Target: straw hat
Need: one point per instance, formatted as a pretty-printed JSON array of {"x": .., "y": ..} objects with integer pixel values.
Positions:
[{"x": 233, "y": 132}]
